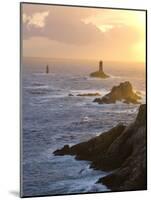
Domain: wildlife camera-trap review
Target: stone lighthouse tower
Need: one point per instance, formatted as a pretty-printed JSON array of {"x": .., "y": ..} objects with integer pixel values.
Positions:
[
  {"x": 100, "y": 73},
  {"x": 100, "y": 66}
]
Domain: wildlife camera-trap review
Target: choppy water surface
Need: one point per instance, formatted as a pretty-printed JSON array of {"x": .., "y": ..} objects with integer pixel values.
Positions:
[{"x": 51, "y": 119}]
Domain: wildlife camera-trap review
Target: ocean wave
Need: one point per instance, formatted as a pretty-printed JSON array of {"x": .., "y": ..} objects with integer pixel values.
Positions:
[
  {"x": 95, "y": 79},
  {"x": 36, "y": 86},
  {"x": 84, "y": 91},
  {"x": 115, "y": 77},
  {"x": 42, "y": 90}
]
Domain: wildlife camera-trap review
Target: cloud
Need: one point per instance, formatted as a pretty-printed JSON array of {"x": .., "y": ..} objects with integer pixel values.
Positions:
[
  {"x": 36, "y": 19},
  {"x": 65, "y": 25},
  {"x": 80, "y": 32},
  {"x": 105, "y": 27},
  {"x": 77, "y": 26}
]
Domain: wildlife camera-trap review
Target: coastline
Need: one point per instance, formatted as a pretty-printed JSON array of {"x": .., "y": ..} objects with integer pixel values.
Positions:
[{"x": 122, "y": 149}]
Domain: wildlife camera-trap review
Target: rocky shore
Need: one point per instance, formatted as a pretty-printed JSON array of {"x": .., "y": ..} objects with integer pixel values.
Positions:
[
  {"x": 121, "y": 151},
  {"x": 123, "y": 92},
  {"x": 86, "y": 94}
]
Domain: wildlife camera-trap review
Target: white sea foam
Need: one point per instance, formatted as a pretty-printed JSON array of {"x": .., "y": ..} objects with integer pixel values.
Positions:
[
  {"x": 59, "y": 119},
  {"x": 80, "y": 177},
  {"x": 36, "y": 87}
]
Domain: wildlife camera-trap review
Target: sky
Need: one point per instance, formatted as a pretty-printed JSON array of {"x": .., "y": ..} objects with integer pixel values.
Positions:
[{"x": 83, "y": 33}]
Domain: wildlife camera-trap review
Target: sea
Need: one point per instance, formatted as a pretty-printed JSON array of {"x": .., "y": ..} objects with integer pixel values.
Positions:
[{"x": 51, "y": 118}]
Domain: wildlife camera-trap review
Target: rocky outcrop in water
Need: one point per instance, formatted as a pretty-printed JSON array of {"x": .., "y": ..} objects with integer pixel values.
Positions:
[
  {"x": 100, "y": 73},
  {"x": 86, "y": 94},
  {"x": 123, "y": 92},
  {"x": 121, "y": 150},
  {"x": 89, "y": 94}
]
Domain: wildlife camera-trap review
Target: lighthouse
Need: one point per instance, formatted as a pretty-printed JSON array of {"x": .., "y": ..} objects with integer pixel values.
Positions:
[
  {"x": 100, "y": 73},
  {"x": 47, "y": 69},
  {"x": 100, "y": 66}
]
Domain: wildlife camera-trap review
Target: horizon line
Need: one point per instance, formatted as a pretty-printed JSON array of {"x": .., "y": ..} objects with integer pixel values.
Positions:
[{"x": 82, "y": 59}]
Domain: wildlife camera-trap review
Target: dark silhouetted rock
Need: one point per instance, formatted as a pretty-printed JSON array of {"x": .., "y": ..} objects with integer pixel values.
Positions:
[
  {"x": 70, "y": 95},
  {"x": 64, "y": 151},
  {"x": 100, "y": 73},
  {"x": 141, "y": 117},
  {"x": 89, "y": 150},
  {"x": 123, "y": 92},
  {"x": 128, "y": 152},
  {"x": 86, "y": 94},
  {"x": 89, "y": 94},
  {"x": 121, "y": 150}
]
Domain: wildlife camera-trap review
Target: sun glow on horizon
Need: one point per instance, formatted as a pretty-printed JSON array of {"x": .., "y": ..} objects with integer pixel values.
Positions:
[
  {"x": 118, "y": 19},
  {"x": 139, "y": 21},
  {"x": 88, "y": 33}
]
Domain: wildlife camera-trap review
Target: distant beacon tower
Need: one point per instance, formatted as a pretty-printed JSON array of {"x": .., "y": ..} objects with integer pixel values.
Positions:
[
  {"x": 101, "y": 66},
  {"x": 47, "y": 69}
]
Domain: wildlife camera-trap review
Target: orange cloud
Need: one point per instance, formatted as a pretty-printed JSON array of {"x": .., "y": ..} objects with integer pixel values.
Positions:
[
  {"x": 70, "y": 32},
  {"x": 36, "y": 19}
]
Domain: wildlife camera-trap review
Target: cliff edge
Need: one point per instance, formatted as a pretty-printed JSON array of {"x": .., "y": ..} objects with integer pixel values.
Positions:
[{"x": 121, "y": 151}]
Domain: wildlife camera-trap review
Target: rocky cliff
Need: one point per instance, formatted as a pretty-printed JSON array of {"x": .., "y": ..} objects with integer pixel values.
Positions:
[{"x": 121, "y": 150}]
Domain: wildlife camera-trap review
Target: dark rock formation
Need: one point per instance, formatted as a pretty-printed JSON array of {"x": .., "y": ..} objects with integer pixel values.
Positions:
[
  {"x": 89, "y": 150},
  {"x": 70, "y": 95},
  {"x": 123, "y": 92},
  {"x": 121, "y": 150},
  {"x": 89, "y": 94},
  {"x": 100, "y": 73},
  {"x": 131, "y": 172},
  {"x": 86, "y": 94}
]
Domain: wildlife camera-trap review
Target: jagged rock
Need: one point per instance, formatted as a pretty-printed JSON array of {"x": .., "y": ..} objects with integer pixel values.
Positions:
[
  {"x": 70, "y": 95},
  {"x": 128, "y": 153},
  {"x": 89, "y": 150},
  {"x": 122, "y": 149},
  {"x": 64, "y": 151},
  {"x": 89, "y": 94},
  {"x": 99, "y": 74},
  {"x": 123, "y": 92},
  {"x": 141, "y": 116},
  {"x": 86, "y": 94},
  {"x": 138, "y": 92}
]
